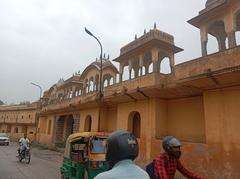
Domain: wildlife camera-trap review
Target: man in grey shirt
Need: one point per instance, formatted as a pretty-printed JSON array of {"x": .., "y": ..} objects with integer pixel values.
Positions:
[{"x": 122, "y": 149}]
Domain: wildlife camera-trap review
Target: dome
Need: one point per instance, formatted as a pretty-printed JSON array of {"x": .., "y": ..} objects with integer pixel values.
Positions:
[{"x": 105, "y": 63}]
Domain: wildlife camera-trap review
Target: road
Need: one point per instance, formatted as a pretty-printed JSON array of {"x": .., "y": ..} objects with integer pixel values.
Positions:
[{"x": 44, "y": 164}]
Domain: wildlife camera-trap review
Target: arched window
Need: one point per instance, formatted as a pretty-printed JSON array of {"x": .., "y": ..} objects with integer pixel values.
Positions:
[
  {"x": 237, "y": 21},
  {"x": 125, "y": 73},
  {"x": 238, "y": 38},
  {"x": 132, "y": 73},
  {"x": 117, "y": 78},
  {"x": 139, "y": 71},
  {"x": 150, "y": 68},
  {"x": 16, "y": 130},
  {"x": 91, "y": 86},
  {"x": 79, "y": 92},
  {"x": 134, "y": 124},
  {"x": 212, "y": 45},
  {"x": 105, "y": 83},
  {"x": 76, "y": 93},
  {"x": 165, "y": 66},
  {"x": 218, "y": 43},
  {"x": 111, "y": 81},
  {"x": 143, "y": 70},
  {"x": 88, "y": 124},
  {"x": 70, "y": 94}
]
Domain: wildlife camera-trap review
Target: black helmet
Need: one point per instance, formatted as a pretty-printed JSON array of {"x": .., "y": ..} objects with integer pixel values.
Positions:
[
  {"x": 169, "y": 142},
  {"x": 121, "y": 145}
]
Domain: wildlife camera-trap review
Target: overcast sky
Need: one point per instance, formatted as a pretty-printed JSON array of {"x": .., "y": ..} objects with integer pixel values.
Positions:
[{"x": 42, "y": 41}]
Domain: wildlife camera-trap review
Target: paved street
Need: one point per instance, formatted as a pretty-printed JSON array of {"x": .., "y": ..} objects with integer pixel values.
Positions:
[{"x": 44, "y": 164}]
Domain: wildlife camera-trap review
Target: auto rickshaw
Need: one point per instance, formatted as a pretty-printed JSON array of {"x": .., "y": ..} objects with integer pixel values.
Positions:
[{"x": 84, "y": 155}]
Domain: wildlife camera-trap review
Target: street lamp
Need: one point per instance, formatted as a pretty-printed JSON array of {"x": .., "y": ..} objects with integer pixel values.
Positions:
[
  {"x": 100, "y": 81},
  {"x": 38, "y": 87}
]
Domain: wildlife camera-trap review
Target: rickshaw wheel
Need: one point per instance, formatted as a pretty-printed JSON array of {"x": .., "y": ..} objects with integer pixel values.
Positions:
[{"x": 63, "y": 177}]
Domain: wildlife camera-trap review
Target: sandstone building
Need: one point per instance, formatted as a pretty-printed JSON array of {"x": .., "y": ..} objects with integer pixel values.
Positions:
[
  {"x": 15, "y": 120},
  {"x": 197, "y": 101}
]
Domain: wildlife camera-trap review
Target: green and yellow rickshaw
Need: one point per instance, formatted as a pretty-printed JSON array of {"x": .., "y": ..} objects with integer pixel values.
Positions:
[{"x": 84, "y": 155}]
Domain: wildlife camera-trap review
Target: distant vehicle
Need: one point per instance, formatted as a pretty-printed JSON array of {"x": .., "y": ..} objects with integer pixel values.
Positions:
[{"x": 4, "y": 139}]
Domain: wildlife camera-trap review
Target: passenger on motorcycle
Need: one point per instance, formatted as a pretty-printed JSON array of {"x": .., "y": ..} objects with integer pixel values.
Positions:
[
  {"x": 24, "y": 144},
  {"x": 122, "y": 149}
]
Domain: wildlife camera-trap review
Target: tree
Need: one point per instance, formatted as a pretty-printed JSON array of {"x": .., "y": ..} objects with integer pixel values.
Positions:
[{"x": 1, "y": 103}]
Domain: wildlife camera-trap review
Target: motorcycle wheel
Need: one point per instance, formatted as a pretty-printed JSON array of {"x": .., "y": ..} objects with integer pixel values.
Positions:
[
  {"x": 27, "y": 157},
  {"x": 20, "y": 157}
]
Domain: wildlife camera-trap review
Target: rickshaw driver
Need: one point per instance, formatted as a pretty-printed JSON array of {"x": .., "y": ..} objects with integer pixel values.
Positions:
[{"x": 122, "y": 149}]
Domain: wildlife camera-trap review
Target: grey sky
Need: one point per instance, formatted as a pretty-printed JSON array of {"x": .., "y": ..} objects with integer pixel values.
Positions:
[{"x": 44, "y": 40}]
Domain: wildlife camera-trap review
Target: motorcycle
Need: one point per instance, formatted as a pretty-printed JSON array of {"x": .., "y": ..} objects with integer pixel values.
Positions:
[{"x": 25, "y": 155}]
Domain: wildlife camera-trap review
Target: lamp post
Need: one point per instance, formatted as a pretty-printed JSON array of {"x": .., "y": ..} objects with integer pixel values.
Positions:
[
  {"x": 37, "y": 116},
  {"x": 100, "y": 80},
  {"x": 39, "y": 88}
]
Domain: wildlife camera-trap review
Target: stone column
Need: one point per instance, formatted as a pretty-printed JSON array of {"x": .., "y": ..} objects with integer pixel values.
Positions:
[
  {"x": 204, "y": 48},
  {"x": 172, "y": 63},
  {"x": 141, "y": 71},
  {"x": 155, "y": 67},
  {"x": 204, "y": 40},
  {"x": 76, "y": 124},
  {"x": 129, "y": 70},
  {"x": 221, "y": 42},
  {"x": 135, "y": 71},
  {"x": 120, "y": 73},
  {"x": 114, "y": 78},
  {"x": 89, "y": 85},
  {"x": 155, "y": 60},
  {"x": 231, "y": 39},
  {"x": 147, "y": 68},
  {"x": 54, "y": 132},
  {"x": 120, "y": 77},
  {"x": 141, "y": 64}
]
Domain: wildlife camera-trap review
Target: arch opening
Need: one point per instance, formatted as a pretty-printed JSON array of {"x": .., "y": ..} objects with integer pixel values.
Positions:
[
  {"x": 165, "y": 67},
  {"x": 88, "y": 124},
  {"x": 134, "y": 124}
]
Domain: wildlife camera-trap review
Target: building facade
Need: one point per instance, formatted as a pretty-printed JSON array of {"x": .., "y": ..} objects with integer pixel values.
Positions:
[
  {"x": 197, "y": 101},
  {"x": 15, "y": 120}
]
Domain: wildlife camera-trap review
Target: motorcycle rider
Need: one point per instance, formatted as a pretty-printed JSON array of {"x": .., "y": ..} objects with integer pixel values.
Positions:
[
  {"x": 122, "y": 149},
  {"x": 167, "y": 163},
  {"x": 24, "y": 144}
]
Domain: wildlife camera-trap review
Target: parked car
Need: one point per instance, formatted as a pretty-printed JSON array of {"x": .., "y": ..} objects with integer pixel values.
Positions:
[{"x": 4, "y": 139}]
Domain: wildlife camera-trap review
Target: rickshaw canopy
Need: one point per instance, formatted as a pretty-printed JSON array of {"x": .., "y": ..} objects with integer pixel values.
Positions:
[{"x": 75, "y": 137}]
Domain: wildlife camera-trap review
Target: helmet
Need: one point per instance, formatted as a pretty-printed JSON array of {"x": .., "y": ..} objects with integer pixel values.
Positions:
[
  {"x": 121, "y": 145},
  {"x": 169, "y": 143}
]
